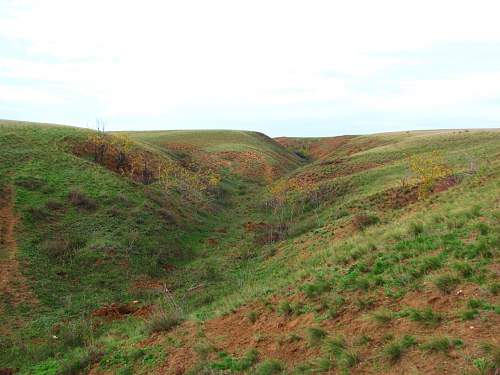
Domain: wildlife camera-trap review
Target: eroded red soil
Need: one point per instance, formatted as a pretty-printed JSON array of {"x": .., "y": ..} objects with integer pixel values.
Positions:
[{"x": 13, "y": 286}]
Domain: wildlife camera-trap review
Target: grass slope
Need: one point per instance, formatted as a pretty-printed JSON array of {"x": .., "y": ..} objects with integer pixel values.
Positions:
[{"x": 335, "y": 267}]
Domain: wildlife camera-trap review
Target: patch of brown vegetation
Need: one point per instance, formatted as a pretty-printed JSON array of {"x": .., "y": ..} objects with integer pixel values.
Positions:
[
  {"x": 80, "y": 200},
  {"x": 251, "y": 226},
  {"x": 396, "y": 198},
  {"x": 13, "y": 286},
  {"x": 403, "y": 196},
  {"x": 250, "y": 164},
  {"x": 193, "y": 157},
  {"x": 213, "y": 241},
  {"x": 337, "y": 168},
  {"x": 168, "y": 267},
  {"x": 141, "y": 166},
  {"x": 265, "y": 233},
  {"x": 118, "y": 311},
  {"x": 151, "y": 284},
  {"x": 445, "y": 183}
]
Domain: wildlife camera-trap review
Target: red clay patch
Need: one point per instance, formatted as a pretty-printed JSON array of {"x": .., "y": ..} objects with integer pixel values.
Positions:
[
  {"x": 13, "y": 286},
  {"x": 285, "y": 337},
  {"x": 395, "y": 198},
  {"x": 213, "y": 241},
  {"x": 117, "y": 311}
]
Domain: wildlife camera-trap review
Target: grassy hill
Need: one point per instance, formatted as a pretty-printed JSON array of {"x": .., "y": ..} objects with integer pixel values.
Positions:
[
  {"x": 252, "y": 155},
  {"x": 377, "y": 256}
]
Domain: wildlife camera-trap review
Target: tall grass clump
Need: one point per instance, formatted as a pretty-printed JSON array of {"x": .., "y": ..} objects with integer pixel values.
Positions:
[
  {"x": 446, "y": 283},
  {"x": 395, "y": 350},
  {"x": 163, "y": 320}
]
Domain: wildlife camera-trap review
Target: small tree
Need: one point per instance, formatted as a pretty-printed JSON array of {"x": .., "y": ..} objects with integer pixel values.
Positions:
[
  {"x": 428, "y": 168},
  {"x": 98, "y": 140}
]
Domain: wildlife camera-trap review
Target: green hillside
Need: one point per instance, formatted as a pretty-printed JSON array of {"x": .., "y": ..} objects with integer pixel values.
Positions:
[{"x": 166, "y": 254}]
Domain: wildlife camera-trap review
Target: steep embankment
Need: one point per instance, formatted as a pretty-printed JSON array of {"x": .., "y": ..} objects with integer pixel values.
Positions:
[{"x": 355, "y": 262}]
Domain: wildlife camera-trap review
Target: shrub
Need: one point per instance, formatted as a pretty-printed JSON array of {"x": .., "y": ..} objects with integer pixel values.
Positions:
[
  {"x": 395, "y": 350},
  {"x": 493, "y": 352},
  {"x": 322, "y": 364},
  {"x": 74, "y": 333},
  {"x": 465, "y": 269},
  {"x": 363, "y": 221},
  {"x": 29, "y": 182},
  {"x": 446, "y": 283},
  {"x": 269, "y": 367},
  {"x": 316, "y": 335},
  {"x": 364, "y": 303},
  {"x": 39, "y": 214},
  {"x": 340, "y": 214},
  {"x": 252, "y": 316},
  {"x": 469, "y": 314},
  {"x": 53, "y": 205},
  {"x": 349, "y": 358},
  {"x": 64, "y": 247},
  {"x": 426, "y": 316},
  {"x": 477, "y": 304},
  {"x": 163, "y": 320},
  {"x": 362, "y": 340},
  {"x": 430, "y": 263},
  {"x": 417, "y": 228},
  {"x": 203, "y": 349},
  {"x": 80, "y": 200},
  {"x": 383, "y": 316},
  {"x": 428, "y": 170},
  {"x": 285, "y": 308},
  {"x": 336, "y": 346},
  {"x": 494, "y": 289},
  {"x": 210, "y": 272},
  {"x": 293, "y": 337},
  {"x": 79, "y": 361},
  {"x": 228, "y": 362},
  {"x": 484, "y": 229},
  {"x": 316, "y": 288},
  {"x": 443, "y": 345},
  {"x": 301, "y": 227}
]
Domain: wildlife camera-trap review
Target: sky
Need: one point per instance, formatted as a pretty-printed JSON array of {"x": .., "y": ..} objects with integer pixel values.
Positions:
[{"x": 297, "y": 68}]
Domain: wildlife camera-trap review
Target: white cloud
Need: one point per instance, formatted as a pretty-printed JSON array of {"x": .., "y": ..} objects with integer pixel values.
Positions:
[
  {"x": 15, "y": 94},
  {"x": 282, "y": 58}
]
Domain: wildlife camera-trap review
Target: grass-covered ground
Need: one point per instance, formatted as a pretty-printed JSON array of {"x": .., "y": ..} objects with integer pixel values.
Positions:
[{"x": 340, "y": 264}]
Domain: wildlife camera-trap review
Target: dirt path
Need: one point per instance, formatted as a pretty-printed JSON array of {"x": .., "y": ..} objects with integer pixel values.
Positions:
[{"x": 13, "y": 286}]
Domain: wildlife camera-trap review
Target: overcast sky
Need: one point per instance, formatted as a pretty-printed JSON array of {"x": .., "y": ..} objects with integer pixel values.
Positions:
[{"x": 281, "y": 67}]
